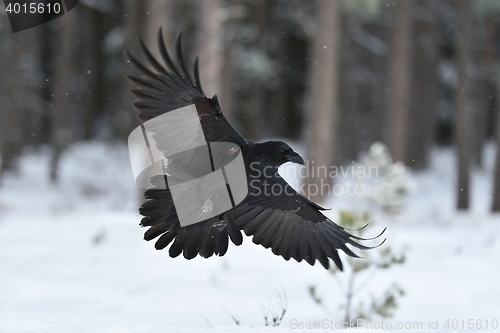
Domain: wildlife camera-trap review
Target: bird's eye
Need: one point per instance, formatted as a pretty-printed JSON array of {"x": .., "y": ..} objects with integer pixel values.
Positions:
[{"x": 281, "y": 151}]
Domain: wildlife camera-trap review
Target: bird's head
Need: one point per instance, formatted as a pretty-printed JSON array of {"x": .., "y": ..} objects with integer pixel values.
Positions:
[{"x": 278, "y": 153}]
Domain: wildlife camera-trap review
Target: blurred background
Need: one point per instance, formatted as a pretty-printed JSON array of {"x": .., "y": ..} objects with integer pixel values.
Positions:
[
  {"x": 411, "y": 74},
  {"x": 414, "y": 83}
]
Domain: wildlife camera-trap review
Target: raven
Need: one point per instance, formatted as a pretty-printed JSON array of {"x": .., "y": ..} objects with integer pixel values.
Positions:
[{"x": 288, "y": 223}]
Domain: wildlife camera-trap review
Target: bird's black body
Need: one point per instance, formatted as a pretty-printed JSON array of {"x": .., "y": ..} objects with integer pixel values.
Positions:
[{"x": 273, "y": 213}]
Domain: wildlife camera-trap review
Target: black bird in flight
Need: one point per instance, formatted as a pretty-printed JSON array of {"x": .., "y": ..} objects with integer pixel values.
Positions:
[{"x": 290, "y": 224}]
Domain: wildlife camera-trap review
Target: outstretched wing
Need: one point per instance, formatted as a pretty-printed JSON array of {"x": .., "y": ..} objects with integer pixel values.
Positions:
[
  {"x": 161, "y": 88},
  {"x": 205, "y": 238},
  {"x": 292, "y": 226},
  {"x": 164, "y": 87}
]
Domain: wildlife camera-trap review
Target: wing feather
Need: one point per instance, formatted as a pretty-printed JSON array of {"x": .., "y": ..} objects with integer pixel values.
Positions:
[
  {"x": 178, "y": 245},
  {"x": 294, "y": 227},
  {"x": 161, "y": 88}
]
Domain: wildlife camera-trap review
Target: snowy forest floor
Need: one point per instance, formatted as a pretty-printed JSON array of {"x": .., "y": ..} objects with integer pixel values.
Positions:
[{"x": 72, "y": 258}]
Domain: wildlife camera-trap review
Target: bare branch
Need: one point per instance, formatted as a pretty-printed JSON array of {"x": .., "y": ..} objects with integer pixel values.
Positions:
[
  {"x": 235, "y": 319},
  {"x": 209, "y": 324}
]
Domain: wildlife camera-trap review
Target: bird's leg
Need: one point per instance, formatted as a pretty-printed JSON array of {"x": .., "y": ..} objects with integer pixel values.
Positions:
[{"x": 220, "y": 224}]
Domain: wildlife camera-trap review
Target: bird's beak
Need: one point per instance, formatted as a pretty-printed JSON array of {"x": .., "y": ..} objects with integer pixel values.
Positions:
[{"x": 295, "y": 158}]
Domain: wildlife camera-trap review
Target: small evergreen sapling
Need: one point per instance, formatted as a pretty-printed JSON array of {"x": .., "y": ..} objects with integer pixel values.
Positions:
[{"x": 359, "y": 272}]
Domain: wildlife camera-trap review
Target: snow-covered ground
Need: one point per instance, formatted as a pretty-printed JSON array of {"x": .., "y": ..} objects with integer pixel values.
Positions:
[{"x": 72, "y": 259}]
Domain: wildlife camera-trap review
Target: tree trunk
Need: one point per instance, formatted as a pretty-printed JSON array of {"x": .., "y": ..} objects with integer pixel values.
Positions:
[
  {"x": 422, "y": 109},
  {"x": 60, "y": 112},
  {"x": 480, "y": 86},
  {"x": 210, "y": 46},
  {"x": 322, "y": 126},
  {"x": 21, "y": 114},
  {"x": 136, "y": 26},
  {"x": 496, "y": 177},
  {"x": 160, "y": 15},
  {"x": 12, "y": 113},
  {"x": 93, "y": 58},
  {"x": 399, "y": 76},
  {"x": 227, "y": 91},
  {"x": 255, "y": 103},
  {"x": 462, "y": 102}
]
